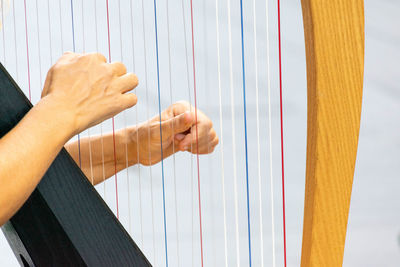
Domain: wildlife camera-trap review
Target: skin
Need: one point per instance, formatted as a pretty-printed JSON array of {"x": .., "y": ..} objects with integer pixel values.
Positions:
[
  {"x": 178, "y": 134},
  {"x": 82, "y": 90}
]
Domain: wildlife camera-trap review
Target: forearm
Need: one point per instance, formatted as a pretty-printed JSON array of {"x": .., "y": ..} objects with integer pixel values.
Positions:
[
  {"x": 27, "y": 151},
  {"x": 95, "y": 154}
]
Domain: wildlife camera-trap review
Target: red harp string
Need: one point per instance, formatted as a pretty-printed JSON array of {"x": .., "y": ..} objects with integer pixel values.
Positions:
[{"x": 203, "y": 252}]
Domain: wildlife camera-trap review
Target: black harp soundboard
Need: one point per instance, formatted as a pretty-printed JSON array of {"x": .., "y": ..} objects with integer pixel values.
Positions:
[{"x": 64, "y": 222}]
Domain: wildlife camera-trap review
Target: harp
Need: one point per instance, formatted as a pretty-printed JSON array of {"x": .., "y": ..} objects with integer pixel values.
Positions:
[{"x": 55, "y": 227}]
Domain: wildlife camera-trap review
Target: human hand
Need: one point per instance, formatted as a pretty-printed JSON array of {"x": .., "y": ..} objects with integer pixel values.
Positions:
[
  {"x": 88, "y": 90},
  {"x": 178, "y": 132}
]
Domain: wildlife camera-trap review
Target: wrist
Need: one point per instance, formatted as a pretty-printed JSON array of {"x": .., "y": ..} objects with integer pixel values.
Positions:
[
  {"x": 55, "y": 114},
  {"x": 126, "y": 146}
]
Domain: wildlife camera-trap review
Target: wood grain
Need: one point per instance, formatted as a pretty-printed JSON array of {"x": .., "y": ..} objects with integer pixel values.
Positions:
[{"x": 334, "y": 40}]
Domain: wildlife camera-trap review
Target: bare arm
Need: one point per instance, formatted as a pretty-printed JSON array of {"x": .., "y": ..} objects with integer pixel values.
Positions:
[
  {"x": 178, "y": 133},
  {"x": 75, "y": 88},
  {"x": 27, "y": 151},
  {"x": 97, "y": 154}
]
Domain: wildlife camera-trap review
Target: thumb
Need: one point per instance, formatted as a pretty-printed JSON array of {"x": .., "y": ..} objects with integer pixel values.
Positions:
[{"x": 177, "y": 124}]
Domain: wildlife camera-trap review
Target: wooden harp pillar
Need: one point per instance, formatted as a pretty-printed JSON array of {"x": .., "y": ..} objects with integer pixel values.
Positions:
[{"x": 334, "y": 40}]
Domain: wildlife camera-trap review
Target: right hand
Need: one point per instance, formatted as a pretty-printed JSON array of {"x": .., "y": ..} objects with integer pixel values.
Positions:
[{"x": 88, "y": 89}]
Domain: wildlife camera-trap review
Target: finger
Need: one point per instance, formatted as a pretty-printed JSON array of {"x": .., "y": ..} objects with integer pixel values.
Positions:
[
  {"x": 117, "y": 68},
  {"x": 125, "y": 83},
  {"x": 186, "y": 143},
  {"x": 192, "y": 138},
  {"x": 129, "y": 100},
  {"x": 204, "y": 147},
  {"x": 205, "y": 137},
  {"x": 100, "y": 57},
  {"x": 213, "y": 144},
  {"x": 177, "y": 124},
  {"x": 68, "y": 54}
]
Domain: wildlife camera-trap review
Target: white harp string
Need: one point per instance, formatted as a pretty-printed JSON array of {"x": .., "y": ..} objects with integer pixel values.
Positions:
[
  {"x": 38, "y": 36},
  {"x": 61, "y": 28},
  {"x": 226, "y": 245},
  {"x": 137, "y": 132},
  {"x": 258, "y": 135},
  {"x": 125, "y": 127},
  {"x": 191, "y": 146},
  {"x": 101, "y": 124},
  {"x": 15, "y": 43},
  {"x": 221, "y": 135},
  {"x": 270, "y": 138},
  {"x": 173, "y": 137},
  {"x": 2, "y": 28},
  {"x": 148, "y": 132},
  {"x": 233, "y": 136},
  {"x": 49, "y": 29},
  {"x": 88, "y": 130}
]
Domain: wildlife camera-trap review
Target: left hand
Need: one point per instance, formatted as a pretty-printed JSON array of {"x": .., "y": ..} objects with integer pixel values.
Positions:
[{"x": 178, "y": 132}]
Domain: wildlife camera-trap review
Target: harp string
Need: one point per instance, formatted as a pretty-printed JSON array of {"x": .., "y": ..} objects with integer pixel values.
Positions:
[
  {"x": 245, "y": 129},
  {"x": 49, "y": 29},
  {"x": 88, "y": 130},
  {"x": 38, "y": 38},
  {"x": 125, "y": 125},
  {"x": 281, "y": 122},
  {"x": 171, "y": 98},
  {"x": 191, "y": 145},
  {"x": 197, "y": 131},
  {"x": 61, "y": 31},
  {"x": 27, "y": 53},
  {"x": 270, "y": 138},
  {"x": 221, "y": 132},
  {"x": 137, "y": 132},
  {"x": 74, "y": 50},
  {"x": 234, "y": 165},
  {"x": 148, "y": 131},
  {"x": 15, "y": 43},
  {"x": 113, "y": 120},
  {"x": 206, "y": 79},
  {"x": 161, "y": 138},
  {"x": 2, "y": 27},
  {"x": 101, "y": 124},
  {"x": 258, "y": 135},
  {"x": 173, "y": 138}
]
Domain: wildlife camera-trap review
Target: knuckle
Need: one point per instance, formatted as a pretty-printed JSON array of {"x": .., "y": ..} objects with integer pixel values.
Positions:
[
  {"x": 216, "y": 141},
  {"x": 100, "y": 56},
  {"x": 56, "y": 67},
  {"x": 213, "y": 135},
  {"x": 83, "y": 57},
  {"x": 67, "y": 54},
  {"x": 108, "y": 72},
  {"x": 120, "y": 67},
  {"x": 52, "y": 69}
]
